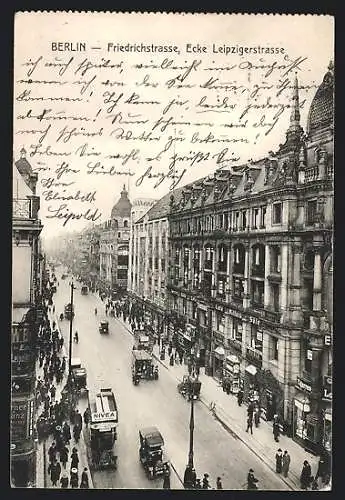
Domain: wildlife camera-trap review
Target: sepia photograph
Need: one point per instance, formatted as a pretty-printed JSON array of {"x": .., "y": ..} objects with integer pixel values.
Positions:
[{"x": 172, "y": 251}]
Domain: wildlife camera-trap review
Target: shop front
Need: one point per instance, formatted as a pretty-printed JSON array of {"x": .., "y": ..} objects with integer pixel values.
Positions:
[
  {"x": 218, "y": 361},
  {"x": 23, "y": 450},
  {"x": 306, "y": 418},
  {"x": 271, "y": 395},
  {"x": 231, "y": 373},
  {"x": 249, "y": 382},
  {"x": 327, "y": 415}
]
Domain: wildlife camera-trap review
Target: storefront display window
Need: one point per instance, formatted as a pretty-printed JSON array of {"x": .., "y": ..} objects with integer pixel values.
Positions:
[{"x": 327, "y": 433}]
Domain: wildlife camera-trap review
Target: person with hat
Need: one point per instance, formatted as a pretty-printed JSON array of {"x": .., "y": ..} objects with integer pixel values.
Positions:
[
  {"x": 166, "y": 478},
  {"x": 305, "y": 478},
  {"x": 286, "y": 463},
  {"x": 205, "y": 482},
  {"x": 279, "y": 461},
  {"x": 84, "y": 483},
  {"x": 74, "y": 477},
  {"x": 74, "y": 459},
  {"x": 219, "y": 484},
  {"x": 251, "y": 480},
  {"x": 66, "y": 432},
  {"x": 64, "y": 456},
  {"x": 193, "y": 476}
]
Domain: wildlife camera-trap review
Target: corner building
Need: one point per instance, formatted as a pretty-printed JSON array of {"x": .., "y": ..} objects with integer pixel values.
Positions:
[
  {"x": 27, "y": 313},
  {"x": 250, "y": 283},
  {"x": 114, "y": 247}
]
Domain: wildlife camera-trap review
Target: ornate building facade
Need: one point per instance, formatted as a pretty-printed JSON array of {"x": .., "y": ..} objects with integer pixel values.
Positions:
[
  {"x": 250, "y": 273},
  {"x": 114, "y": 247},
  {"x": 27, "y": 312}
]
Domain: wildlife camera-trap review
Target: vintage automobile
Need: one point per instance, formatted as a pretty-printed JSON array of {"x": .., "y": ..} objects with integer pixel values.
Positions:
[
  {"x": 84, "y": 290},
  {"x": 69, "y": 311},
  {"x": 190, "y": 386},
  {"x": 151, "y": 451},
  {"x": 103, "y": 429},
  {"x": 142, "y": 366},
  {"x": 79, "y": 374},
  {"x": 103, "y": 326}
]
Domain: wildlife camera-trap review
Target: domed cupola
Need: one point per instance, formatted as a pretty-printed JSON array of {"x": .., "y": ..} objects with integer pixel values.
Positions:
[
  {"x": 123, "y": 207},
  {"x": 321, "y": 113}
]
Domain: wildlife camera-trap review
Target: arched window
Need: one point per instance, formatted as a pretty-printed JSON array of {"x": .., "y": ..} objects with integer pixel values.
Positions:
[
  {"x": 125, "y": 223},
  {"x": 239, "y": 256}
]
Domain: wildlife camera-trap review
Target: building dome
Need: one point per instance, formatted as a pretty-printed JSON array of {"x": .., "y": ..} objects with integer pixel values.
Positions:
[
  {"x": 321, "y": 113},
  {"x": 123, "y": 207}
]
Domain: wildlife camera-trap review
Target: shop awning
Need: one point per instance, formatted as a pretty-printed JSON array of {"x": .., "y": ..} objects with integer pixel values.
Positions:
[
  {"x": 219, "y": 352},
  {"x": 19, "y": 313},
  {"x": 251, "y": 369},
  {"x": 232, "y": 359}
]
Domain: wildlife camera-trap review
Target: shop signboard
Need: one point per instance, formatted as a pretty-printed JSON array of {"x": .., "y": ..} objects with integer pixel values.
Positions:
[
  {"x": 327, "y": 388},
  {"x": 303, "y": 386},
  {"x": 19, "y": 418}
]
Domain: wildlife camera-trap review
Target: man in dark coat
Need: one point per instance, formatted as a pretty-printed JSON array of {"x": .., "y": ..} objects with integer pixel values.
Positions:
[
  {"x": 66, "y": 432},
  {"x": 219, "y": 484},
  {"x": 64, "y": 456},
  {"x": 251, "y": 480},
  {"x": 305, "y": 475},
  {"x": 52, "y": 452},
  {"x": 166, "y": 478},
  {"x": 240, "y": 397},
  {"x": 74, "y": 459},
  {"x": 276, "y": 430},
  {"x": 54, "y": 469},
  {"x": 78, "y": 419},
  {"x": 250, "y": 423},
  {"x": 205, "y": 482},
  {"x": 84, "y": 482},
  {"x": 279, "y": 460}
]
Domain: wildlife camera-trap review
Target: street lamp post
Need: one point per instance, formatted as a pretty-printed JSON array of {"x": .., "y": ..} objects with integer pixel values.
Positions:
[
  {"x": 188, "y": 480},
  {"x": 70, "y": 335}
]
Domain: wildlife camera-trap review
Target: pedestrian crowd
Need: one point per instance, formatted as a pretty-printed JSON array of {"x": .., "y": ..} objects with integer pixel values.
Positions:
[{"x": 55, "y": 417}]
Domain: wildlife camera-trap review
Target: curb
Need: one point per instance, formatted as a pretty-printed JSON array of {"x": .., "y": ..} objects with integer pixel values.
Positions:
[{"x": 230, "y": 430}]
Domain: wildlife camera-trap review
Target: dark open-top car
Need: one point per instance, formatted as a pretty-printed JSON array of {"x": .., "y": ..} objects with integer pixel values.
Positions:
[
  {"x": 151, "y": 451},
  {"x": 104, "y": 327}
]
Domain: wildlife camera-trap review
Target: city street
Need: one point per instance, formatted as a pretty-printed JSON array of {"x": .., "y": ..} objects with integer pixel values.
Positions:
[{"x": 107, "y": 359}]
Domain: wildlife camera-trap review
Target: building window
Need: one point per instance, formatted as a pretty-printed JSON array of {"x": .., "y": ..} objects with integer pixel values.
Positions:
[
  {"x": 237, "y": 329},
  {"x": 277, "y": 213},
  {"x": 184, "y": 307},
  {"x": 194, "y": 310},
  {"x": 150, "y": 262},
  {"x": 275, "y": 297},
  {"x": 311, "y": 212},
  {"x": 119, "y": 235},
  {"x": 276, "y": 259},
  {"x": 238, "y": 288},
  {"x": 263, "y": 217},
  {"x": 122, "y": 274},
  {"x": 258, "y": 293},
  {"x": 156, "y": 262},
  {"x": 125, "y": 223},
  {"x": 221, "y": 287},
  {"x": 274, "y": 348},
  {"x": 244, "y": 220},
  {"x": 255, "y": 218},
  {"x": 220, "y": 322},
  {"x": 308, "y": 353},
  {"x": 237, "y": 219},
  {"x": 163, "y": 264}
]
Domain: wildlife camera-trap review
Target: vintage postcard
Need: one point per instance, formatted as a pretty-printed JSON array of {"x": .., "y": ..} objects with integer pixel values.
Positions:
[{"x": 172, "y": 238}]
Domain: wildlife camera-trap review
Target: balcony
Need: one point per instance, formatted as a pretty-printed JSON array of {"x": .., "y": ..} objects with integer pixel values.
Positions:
[
  {"x": 312, "y": 173},
  {"x": 273, "y": 316}
]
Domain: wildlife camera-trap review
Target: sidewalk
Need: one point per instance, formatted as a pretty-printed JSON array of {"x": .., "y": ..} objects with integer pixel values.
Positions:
[
  {"x": 261, "y": 443},
  {"x": 42, "y": 476},
  {"x": 234, "y": 418}
]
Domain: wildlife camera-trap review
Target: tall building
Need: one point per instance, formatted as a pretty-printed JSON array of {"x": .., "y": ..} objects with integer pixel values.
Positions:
[
  {"x": 149, "y": 249},
  {"x": 114, "y": 246},
  {"x": 250, "y": 283},
  {"x": 27, "y": 277}
]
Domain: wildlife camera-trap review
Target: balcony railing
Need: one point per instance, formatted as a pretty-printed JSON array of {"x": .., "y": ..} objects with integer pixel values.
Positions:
[
  {"x": 254, "y": 356},
  {"x": 312, "y": 173}
]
